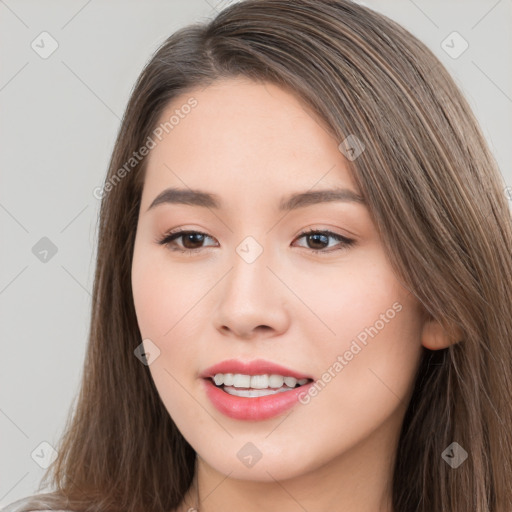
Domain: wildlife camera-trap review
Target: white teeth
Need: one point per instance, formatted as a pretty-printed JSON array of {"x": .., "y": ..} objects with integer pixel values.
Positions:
[
  {"x": 275, "y": 381},
  {"x": 259, "y": 382},
  {"x": 239, "y": 380},
  {"x": 290, "y": 381}
]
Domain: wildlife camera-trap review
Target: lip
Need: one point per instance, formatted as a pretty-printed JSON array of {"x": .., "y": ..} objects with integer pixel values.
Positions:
[
  {"x": 254, "y": 367},
  {"x": 255, "y": 409},
  {"x": 258, "y": 408}
]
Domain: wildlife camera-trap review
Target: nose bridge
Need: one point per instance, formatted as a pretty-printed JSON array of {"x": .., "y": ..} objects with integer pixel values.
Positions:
[
  {"x": 250, "y": 263},
  {"x": 251, "y": 250},
  {"x": 250, "y": 296}
]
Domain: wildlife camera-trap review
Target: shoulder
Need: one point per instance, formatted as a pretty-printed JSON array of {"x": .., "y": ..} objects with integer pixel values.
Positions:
[{"x": 31, "y": 504}]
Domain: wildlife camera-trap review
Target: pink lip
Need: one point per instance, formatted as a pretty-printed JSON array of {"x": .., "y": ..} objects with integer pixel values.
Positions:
[
  {"x": 259, "y": 408},
  {"x": 255, "y": 367}
]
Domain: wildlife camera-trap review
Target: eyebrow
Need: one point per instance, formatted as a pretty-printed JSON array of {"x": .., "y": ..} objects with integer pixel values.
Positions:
[{"x": 292, "y": 202}]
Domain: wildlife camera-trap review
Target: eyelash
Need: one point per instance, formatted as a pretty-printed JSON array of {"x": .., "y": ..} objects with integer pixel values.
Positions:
[{"x": 174, "y": 234}]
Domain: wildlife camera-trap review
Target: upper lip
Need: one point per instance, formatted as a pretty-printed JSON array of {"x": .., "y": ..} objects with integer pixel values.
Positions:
[{"x": 254, "y": 367}]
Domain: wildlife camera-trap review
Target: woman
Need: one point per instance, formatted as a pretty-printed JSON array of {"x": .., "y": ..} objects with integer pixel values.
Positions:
[{"x": 302, "y": 297}]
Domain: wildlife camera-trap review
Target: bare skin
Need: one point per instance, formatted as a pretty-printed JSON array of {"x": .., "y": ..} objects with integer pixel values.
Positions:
[{"x": 253, "y": 144}]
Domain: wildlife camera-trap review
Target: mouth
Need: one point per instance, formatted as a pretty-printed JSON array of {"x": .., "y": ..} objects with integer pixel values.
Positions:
[
  {"x": 254, "y": 386},
  {"x": 254, "y": 390}
]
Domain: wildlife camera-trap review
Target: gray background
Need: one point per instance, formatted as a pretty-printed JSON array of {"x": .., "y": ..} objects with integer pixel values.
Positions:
[{"x": 59, "y": 119}]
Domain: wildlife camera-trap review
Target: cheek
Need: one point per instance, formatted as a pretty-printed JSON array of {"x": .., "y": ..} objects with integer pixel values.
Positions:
[
  {"x": 370, "y": 352},
  {"x": 162, "y": 293},
  {"x": 166, "y": 305},
  {"x": 370, "y": 371},
  {"x": 346, "y": 297},
  {"x": 161, "y": 301}
]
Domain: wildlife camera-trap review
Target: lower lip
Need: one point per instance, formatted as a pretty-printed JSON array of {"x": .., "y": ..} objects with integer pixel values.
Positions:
[{"x": 259, "y": 408}]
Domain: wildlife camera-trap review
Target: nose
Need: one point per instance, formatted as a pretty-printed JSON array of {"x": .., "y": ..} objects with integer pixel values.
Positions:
[{"x": 253, "y": 301}]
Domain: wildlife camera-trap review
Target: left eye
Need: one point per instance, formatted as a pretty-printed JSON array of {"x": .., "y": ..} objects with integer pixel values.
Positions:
[
  {"x": 196, "y": 237},
  {"x": 322, "y": 237}
]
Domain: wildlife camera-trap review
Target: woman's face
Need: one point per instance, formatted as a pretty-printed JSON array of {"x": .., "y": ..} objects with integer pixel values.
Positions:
[{"x": 252, "y": 288}]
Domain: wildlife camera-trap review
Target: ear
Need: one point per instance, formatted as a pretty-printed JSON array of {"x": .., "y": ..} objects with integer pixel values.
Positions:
[{"x": 435, "y": 337}]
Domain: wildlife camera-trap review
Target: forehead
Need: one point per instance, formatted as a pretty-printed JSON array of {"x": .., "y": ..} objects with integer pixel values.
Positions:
[{"x": 245, "y": 135}]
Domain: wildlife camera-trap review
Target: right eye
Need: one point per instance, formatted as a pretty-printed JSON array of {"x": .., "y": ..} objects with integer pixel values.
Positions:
[{"x": 188, "y": 236}]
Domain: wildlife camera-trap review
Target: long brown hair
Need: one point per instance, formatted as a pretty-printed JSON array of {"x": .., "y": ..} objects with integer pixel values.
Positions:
[{"x": 436, "y": 196}]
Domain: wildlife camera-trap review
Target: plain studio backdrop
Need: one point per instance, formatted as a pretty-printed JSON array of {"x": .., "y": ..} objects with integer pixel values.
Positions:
[{"x": 67, "y": 71}]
